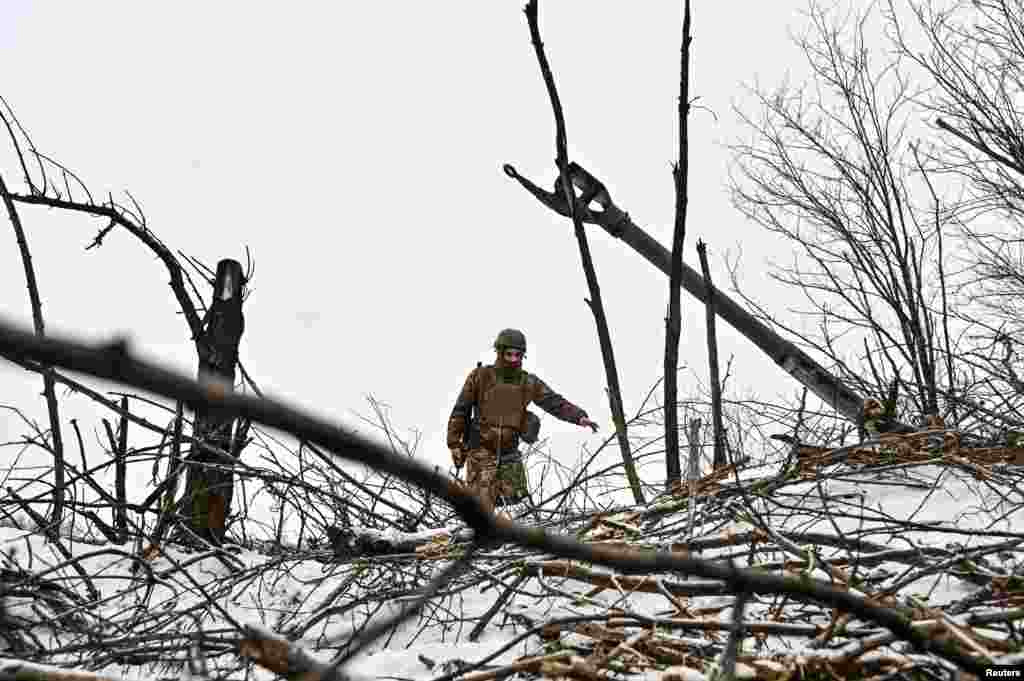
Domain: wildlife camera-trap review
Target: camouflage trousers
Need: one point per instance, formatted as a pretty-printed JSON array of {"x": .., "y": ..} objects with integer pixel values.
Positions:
[{"x": 482, "y": 477}]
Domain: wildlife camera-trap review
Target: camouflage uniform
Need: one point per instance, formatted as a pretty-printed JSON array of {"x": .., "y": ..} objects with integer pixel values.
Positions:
[{"x": 502, "y": 393}]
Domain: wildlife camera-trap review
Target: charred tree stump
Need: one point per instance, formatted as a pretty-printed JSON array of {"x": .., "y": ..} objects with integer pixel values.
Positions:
[{"x": 210, "y": 480}]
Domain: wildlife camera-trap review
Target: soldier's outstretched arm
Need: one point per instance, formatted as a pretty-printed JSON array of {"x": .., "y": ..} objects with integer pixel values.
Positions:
[{"x": 556, "y": 405}]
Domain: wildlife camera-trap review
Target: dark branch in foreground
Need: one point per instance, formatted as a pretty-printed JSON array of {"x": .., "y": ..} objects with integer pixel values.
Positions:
[{"x": 113, "y": 362}]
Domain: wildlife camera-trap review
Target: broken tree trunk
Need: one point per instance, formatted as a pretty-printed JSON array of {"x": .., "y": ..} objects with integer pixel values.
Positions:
[
  {"x": 348, "y": 542},
  {"x": 716, "y": 383},
  {"x": 210, "y": 481},
  {"x": 680, "y": 176},
  {"x": 595, "y": 303},
  {"x": 617, "y": 222}
]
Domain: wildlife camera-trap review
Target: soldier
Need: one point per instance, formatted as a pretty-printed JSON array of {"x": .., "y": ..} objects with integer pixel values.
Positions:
[{"x": 502, "y": 391}]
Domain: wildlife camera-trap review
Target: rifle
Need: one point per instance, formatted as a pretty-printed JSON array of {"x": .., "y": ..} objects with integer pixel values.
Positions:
[{"x": 471, "y": 432}]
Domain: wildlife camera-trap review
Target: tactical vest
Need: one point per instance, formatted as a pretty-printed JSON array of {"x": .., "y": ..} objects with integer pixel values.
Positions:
[{"x": 502, "y": 410}]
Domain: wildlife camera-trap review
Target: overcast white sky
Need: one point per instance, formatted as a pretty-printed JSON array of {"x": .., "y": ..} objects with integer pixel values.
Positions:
[{"x": 356, "y": 149}]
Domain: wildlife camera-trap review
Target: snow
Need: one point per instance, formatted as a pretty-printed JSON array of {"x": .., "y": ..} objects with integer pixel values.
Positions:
[{"x": 282, "y": 592}]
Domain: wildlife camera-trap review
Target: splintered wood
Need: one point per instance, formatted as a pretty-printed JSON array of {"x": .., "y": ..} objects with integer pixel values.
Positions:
[
  {"x": 438, "y": 547},
  {"x": 933, "y": 446}
]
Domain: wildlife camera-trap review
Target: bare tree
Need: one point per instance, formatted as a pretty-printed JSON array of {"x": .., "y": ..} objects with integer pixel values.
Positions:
[
  {"x": 975, "y": 63},
  {"x": 56, "y": 444},
  {"x": 713, "y": 373},
  {"x": 680, "y": 171},
  {"x": 215, "y": 334},
  {"x": 975, "y": 59},
  {"x": 830, "y": 170},
  {"x": 566, "y": 189}
]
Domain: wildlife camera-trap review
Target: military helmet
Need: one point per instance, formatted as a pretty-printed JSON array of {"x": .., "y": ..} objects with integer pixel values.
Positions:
[{"x": 510, "y": 338}]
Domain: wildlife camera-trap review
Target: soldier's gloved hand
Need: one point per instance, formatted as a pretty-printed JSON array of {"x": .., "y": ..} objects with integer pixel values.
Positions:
[
  {"x": 458, "y": 456},
  {"x": 587, "y": 423}
]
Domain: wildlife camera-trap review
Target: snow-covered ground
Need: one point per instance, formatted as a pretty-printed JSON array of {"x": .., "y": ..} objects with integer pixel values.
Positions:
[{"x": 204, "y": 598}]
